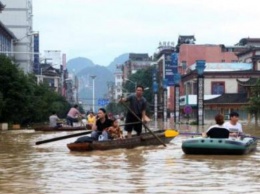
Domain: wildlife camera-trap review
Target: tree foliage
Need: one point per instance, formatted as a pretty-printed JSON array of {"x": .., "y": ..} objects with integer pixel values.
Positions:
[
  {"x": 141, "y": 77},
  {"x": 22, "y": 100},
  {"x": 254, "y": 101}
]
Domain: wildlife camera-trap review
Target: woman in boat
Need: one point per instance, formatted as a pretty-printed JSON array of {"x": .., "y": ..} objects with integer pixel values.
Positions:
[
  {"x": 217, "y": 130},
  {"x": 234, "y": 127},
  {"x": 73, "y": 115},
  {"x": 101, "y": 124}
]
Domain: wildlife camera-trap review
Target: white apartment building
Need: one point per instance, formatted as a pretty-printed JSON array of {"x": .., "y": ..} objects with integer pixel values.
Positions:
[{"x": 17, "y": 17}]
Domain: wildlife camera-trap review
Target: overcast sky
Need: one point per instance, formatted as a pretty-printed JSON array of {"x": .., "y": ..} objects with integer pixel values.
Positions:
[{"x": 101, "y": 30}]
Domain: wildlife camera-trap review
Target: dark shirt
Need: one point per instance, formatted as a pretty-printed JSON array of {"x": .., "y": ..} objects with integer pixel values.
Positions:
[
  {"x": 102, "y": 126},
  {"x": 137, "y": 106}
]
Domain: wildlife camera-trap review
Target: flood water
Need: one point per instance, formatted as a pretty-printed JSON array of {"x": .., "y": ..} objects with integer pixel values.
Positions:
[{"x": 51, "y": 168}]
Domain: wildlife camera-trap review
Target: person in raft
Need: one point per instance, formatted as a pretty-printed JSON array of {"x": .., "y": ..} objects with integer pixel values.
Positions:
[
  {"x": 218, "y": 130},
  {"x": 137, "y": 105},
  {"x": 234, "y": 127},
  {"x": 102, "y": 123}
]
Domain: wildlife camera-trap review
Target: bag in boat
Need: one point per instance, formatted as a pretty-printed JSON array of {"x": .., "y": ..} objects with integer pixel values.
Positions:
[{"x": 84, "y": 139}]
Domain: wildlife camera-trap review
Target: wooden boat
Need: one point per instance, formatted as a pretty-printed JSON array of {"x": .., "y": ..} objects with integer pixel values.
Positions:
[
  {"x": 145, "y": 139},
  {"x": 64, "y": 128},
  {"x": 219, "y": 146}
]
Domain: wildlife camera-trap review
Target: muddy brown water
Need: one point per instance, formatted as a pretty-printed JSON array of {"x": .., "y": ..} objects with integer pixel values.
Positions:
[{"x": 51, "y": 168}]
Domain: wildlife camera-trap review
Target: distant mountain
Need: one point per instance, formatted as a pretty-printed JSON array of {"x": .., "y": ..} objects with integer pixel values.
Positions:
[
  {"x": 84, "y": 68},
  {"x": 118, "y": 61},
  {"x": 103, "y": 76},
  {"x": 78, "y": 64}
]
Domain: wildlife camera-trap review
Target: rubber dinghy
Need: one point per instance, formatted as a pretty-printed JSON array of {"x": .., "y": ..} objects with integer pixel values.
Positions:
[{"x": 219, "y": 146}]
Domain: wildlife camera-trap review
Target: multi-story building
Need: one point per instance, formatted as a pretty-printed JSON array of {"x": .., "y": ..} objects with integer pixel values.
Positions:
[
  {"x": 135, "y": 62},
  {"x": 6, "y": 39},
  {"x": 118, "y": 85},
  {"x": 222, "y": 88},
  {"x": 17, "y": 17}
]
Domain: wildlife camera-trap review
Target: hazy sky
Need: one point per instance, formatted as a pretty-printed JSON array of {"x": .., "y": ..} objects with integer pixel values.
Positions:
[{"x": 101, "y": 30}]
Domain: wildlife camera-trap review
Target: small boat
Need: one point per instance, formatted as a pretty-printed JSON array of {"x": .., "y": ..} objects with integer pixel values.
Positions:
[
  {"x": 64, "y": 128},
  {"x": 145, "y": 139},
  {"x": 219, "y": 146}
]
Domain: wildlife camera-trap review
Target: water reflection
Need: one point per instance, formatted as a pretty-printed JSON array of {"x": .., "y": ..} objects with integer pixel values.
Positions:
[{"x": 52, "y": 168}]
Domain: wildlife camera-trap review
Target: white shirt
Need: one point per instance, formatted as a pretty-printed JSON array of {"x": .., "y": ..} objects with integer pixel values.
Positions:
[
  {"x": 53, "y": 120},
  {"x": 233, "y": 128}
]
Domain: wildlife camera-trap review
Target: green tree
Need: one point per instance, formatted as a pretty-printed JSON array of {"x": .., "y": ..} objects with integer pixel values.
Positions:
[
  {"x": 143, "y": 77},
  {"x": 254, "y": 101},
  {"x": 22, "y": 100}
]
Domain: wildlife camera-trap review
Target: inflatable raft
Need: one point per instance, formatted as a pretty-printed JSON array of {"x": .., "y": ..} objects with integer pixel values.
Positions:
[{"x": 219, "y": 146}]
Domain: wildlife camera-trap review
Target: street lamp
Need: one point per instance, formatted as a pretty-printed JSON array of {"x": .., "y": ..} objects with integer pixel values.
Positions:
[
  {"x": 93, "y": 87},
  {"x": 177, "y": 79},
  {"x": 27, "y": 35},
  {"x": 200, "y": 67}
]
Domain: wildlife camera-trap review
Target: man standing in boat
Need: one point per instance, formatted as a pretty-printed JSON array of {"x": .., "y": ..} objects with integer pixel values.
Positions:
[
  {"x": 234, "y": 127},
  {"x": 136, "y": 111},
  {"x": 73, "y": 115}
]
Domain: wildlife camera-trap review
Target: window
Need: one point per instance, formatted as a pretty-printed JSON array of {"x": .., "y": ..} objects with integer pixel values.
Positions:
[{"x": 217, "y": 87}]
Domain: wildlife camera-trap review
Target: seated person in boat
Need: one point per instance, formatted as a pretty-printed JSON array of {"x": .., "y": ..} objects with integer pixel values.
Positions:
[
  {"x": 113, "y": 132},
  {"x": 101, "y": 124},
  {"x": 91, "y": 119},
  {"x": 54, "y": 120},
  {"x": 234, "y": 127},
  {"x": 217, "y": 130},
  {"x": 73, "y": 115}
]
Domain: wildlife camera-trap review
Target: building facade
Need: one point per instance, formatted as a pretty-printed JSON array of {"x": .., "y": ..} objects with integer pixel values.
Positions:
[
  {"x": 17, "y": 17},
  {"x": 135, "y": 62},
  {"x": 223, "y": 92}
]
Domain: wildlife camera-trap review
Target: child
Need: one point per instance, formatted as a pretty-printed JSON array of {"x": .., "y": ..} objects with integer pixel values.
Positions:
[{"x": 114, "y": 131}]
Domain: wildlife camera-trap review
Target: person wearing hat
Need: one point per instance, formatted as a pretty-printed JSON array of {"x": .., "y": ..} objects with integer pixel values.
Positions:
[{"x": 234, "y": 127}]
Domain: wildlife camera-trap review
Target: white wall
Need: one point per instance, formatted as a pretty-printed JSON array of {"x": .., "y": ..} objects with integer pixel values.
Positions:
[{"x": 17, "y": 17}]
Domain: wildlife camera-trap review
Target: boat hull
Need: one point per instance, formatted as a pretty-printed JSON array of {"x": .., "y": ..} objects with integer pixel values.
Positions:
[
  {"x": 47, "y": 128},
  {"x": 219, "y": 146},
  {"x": 146, "y": 139}
]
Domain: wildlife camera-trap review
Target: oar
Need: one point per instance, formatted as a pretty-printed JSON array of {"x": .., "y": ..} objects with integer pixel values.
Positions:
[
  {"x": 133, "y": 123},
  {"x": 73, "y": 135},
  {"x": 62, "y": 137},
  {"x": 144, "y": 124}
]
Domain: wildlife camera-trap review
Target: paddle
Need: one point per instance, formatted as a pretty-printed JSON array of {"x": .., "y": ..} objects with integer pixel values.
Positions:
[
  {"x": 144, "y": 124},
  {"x": 171, "y": 133},
  {"x": 62, "y": 137}
]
